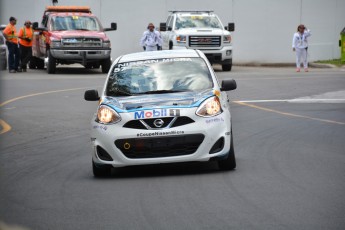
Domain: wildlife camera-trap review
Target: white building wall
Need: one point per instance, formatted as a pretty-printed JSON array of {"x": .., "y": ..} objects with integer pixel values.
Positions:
[{"x": 263, "y": 28}]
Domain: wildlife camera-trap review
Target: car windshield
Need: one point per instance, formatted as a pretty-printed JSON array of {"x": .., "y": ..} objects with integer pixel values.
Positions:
[
  {"x": 75, "y": 23},
  {"x": 159, "y": 76},
  {"x": 197, "y": 21}
]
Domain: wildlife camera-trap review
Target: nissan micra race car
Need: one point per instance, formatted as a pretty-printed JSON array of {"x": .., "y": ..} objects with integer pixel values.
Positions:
[{"x": 161, "y": 107}]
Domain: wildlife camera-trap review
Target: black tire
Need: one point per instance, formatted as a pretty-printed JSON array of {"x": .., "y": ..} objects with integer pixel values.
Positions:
[
  {"x": 101, "y": 170},
  {"x": 40, "y": 63},
  {"x": 33, "y": 63},
  {"x": 51, "y": 65},
  {"x": 106, "y": 65},
  {"x": 230, "y": 162},
  {"x": 3, "y": 65},
  {"x": 226, "y": 67}
]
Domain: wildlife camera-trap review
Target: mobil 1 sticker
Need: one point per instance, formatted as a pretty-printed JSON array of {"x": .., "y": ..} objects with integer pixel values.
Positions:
[{"x": 156, "y": 113}]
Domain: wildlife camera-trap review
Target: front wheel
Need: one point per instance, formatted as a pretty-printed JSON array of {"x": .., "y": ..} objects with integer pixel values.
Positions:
[
  {"x": 230, "y": 162},
  {"x": 51, "y": 65},
  {"x": 101, "y": 170}
]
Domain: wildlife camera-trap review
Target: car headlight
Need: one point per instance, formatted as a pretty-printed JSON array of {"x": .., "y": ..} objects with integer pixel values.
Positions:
[
  {"x": 106, "y": 44},
  {"x": 55, "y": 44},
  {"x": 106, "y": 115},
  {"x": 181, "y": 38},
  {"x": 209, "y": 108},
  {"x": 227, "y": 38}
]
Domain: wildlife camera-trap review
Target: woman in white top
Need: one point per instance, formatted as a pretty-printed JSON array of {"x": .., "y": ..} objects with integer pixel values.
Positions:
[
  {"x": 300, "y": 45},
  {"x": 151, "y": 39}
]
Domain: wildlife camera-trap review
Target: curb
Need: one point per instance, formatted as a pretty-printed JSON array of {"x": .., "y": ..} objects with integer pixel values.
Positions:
[{"x": 311, "y": 64}]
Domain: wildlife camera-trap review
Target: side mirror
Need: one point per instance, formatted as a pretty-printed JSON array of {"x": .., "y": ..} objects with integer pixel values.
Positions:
[
  {"x": 163, "y": 26},
  {"x": 113, "y": 26},
  {"x": 35, "y": 25},
  {"x": 228, "y": 85},
  {"x": 169, "y": 28},
  {"x": 91, "y": 95},
  {"x": 230, "y": 27}
]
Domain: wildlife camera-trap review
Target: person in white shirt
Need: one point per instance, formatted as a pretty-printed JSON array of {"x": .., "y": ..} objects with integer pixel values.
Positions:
[
  {"x": 300, "y": 45},
  {"x": 151, "y": 39}
]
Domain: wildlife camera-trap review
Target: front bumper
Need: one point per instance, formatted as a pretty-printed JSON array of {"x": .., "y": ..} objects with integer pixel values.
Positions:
[
  {"x": 202, "y": 140},
  {"x": 89, "y": 54},
  {"x": 215, "y": 56}
]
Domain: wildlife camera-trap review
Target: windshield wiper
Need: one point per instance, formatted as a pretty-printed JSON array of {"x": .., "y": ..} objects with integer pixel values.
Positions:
[{"x": 161, "y": 91}]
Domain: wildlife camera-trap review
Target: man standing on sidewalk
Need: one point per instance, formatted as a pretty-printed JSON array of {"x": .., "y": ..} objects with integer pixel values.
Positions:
[
  {"x": 10, "y": 33},
  {"x": 25, "y": 43}
]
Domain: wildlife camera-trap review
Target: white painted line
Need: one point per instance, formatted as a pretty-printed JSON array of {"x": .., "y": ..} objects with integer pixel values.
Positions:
[{"x": 314, "y": 100}]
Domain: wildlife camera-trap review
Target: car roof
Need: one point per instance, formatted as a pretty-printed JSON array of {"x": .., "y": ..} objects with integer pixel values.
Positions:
[{"x": 159, "y": 55}]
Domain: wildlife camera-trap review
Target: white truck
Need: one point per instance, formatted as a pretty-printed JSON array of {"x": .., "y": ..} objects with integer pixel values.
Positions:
[{"x": 200, "y": 30}]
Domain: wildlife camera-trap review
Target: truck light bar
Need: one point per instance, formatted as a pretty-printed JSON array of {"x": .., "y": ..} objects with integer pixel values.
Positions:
[{"x": 85, "y": 9}]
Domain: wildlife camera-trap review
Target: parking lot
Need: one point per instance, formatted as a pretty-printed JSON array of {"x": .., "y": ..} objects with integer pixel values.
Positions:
[{"x": 289, "y": 131}]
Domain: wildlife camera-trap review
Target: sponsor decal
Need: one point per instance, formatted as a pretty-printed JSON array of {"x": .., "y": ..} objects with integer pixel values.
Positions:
[
  {"x": 101, "y": 127},
  {"x": 214, "y": 120},
  {"x": 156, "y": 113},
  {"x": 160, "y": 133},
  {"x": 127, "y": 65}
]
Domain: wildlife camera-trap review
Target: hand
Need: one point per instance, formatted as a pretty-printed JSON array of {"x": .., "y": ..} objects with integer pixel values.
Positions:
[{"x": 27, "y": 39}]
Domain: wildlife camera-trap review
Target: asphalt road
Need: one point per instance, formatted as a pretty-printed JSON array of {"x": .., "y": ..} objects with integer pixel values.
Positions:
[{"x": 289, "y": 135}]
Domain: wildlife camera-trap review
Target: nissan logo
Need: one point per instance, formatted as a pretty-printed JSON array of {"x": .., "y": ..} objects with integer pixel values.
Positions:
[{"x": 158, "y": 123}]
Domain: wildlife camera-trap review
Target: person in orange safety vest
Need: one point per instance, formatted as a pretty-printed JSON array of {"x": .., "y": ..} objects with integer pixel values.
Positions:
[
  {"x": 25, "y": 34},
  {"x": 10, "y": 34}
]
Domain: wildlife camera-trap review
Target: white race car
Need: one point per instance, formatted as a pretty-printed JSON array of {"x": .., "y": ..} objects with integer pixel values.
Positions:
[{"x": 161, "y": 107}]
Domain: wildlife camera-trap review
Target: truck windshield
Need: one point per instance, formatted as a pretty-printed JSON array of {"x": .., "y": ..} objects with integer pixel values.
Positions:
[
  {"x": 75, "y": 23},
  {"x": 158, "y": 76},
  {"x": 197, "y": 21}
]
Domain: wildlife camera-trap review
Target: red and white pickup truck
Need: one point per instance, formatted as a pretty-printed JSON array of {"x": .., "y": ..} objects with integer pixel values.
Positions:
[{"x": 70, "y": 34}]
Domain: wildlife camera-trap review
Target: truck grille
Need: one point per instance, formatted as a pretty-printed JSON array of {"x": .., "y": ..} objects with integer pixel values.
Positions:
[
  {"x": 204, "y": 41},
  {"x": 81, "y": 42}
]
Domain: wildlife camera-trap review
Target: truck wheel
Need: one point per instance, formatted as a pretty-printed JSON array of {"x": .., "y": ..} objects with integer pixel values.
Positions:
[
  {"x": 226, "y": 67},
  {"x": 106, "y": 65},
  {"x": 51, "y": 65},
  {"x": 32, "y": 63},
  {"x": 39, "y": 63}
]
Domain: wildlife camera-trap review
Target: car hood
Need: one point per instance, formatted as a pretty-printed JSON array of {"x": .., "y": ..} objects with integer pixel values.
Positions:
[
  {"x": 149, "y": 101},
  {"x": 77, "y": 33}
]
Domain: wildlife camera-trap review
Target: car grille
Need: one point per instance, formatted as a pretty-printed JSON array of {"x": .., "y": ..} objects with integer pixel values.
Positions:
[
  {"x": 168, "y": 122},
  {"x": 168, "y": 146},
  {"x": 81, "y": 42},
  {"x": 204, "y": 41}
]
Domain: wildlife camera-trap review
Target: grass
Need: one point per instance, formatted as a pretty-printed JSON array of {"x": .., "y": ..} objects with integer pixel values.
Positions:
[{"x": 336, "y": 62}]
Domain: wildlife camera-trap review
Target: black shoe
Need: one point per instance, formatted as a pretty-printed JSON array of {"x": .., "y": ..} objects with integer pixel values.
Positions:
[
  {"x": 19, "y": 70},
  {"x": 12, "y": 71},
  {"x": 24, "y": 70}
]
